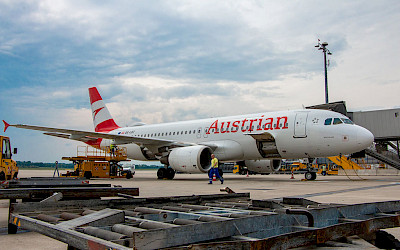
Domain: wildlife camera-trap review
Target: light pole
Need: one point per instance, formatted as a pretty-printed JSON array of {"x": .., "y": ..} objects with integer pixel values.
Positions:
[{"x": 322, "y": 46}]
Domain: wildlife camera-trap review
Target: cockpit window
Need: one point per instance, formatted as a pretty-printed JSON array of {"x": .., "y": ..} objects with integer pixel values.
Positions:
[
  {"x": 347, "y": 121},
  {"x": 328, "y": 121},
  {"x": 337, "y": 121}
]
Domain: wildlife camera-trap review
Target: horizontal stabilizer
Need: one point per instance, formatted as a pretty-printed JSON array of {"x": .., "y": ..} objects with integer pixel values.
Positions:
[{"x": 6, "y": 125}]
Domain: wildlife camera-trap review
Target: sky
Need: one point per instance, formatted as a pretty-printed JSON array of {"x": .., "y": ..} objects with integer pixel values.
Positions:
[{"x": 165, "y": 61}]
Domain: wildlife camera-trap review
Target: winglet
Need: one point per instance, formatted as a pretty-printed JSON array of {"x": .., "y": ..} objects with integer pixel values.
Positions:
[{"x": 6, "y": 125}]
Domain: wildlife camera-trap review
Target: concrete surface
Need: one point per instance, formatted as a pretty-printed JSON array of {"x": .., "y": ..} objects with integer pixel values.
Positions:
[{"x": 327, "y": 189}]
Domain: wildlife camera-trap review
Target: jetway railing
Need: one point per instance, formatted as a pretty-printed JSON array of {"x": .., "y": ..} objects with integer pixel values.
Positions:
[{"x": 383, "y": 158}]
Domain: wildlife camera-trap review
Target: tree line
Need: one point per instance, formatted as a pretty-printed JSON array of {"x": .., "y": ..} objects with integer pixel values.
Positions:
[{"x": 29, "y": 164}]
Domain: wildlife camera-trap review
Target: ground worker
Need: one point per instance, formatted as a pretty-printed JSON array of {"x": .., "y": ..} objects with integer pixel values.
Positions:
[
  {"x": 214, "y": 170},
  {"x": 112, "y": 149},
  {"x": 323, "y": 170}
]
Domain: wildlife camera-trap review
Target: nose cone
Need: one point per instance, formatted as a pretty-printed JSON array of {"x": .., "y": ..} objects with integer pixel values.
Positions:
[{"x": 364, "y": 138}]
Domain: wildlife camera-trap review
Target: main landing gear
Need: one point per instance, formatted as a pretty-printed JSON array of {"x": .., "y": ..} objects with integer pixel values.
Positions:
[{"x": 166, "y": 173}]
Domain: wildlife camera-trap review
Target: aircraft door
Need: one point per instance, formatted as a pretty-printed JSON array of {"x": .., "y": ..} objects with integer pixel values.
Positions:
[
  {"x": 300, "y": 130},
  {"x": 205, "y": 132},
  {"x": 199, "y": 133}
]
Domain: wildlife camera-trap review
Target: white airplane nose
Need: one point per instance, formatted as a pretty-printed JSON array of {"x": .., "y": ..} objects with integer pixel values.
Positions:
[{"x": 364, "y": 137}]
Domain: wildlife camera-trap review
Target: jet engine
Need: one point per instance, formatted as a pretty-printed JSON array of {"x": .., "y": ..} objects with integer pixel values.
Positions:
[
  {"x": 192, "y": 159},
  {"x": 139, "y": 153},
  {"x": 263, "y": 166}
]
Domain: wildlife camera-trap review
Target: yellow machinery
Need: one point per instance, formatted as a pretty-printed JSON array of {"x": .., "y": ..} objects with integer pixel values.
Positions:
[
  {"x": 94, "y": 163},
  {"x": 337, "y": 162},
  {"x": 8, "y": 167},
  {"x": 345, "y": 163},
  {"x": 297, "y": 166},
  {"x": 331, "y": 169}
]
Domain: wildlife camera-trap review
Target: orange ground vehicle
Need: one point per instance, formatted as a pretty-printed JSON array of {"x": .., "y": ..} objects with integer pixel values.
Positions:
[
  {"x": 8, "y": 167},
  {"x": 95, "y": 163}
]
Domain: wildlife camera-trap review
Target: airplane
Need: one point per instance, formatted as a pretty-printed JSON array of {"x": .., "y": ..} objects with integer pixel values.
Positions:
[{"x": 257, "y": 141}]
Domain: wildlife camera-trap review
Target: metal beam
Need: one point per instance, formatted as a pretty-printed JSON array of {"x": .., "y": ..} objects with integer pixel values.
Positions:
[
  {"x": 68, "y": 192},
  {"x": 100, "y": 218},
  {"x": 188, "y": 234},
  {"x": 306, "y": 237},
  {"x": 71, "y": 237}
]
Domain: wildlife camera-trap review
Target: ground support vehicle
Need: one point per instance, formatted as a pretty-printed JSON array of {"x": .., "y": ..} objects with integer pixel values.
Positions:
[
  {"x": 8, "y": 167},
  {"x": 94, "y": 163}
]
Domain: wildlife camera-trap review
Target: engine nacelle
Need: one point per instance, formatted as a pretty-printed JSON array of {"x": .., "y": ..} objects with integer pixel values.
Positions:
[
  {"x": 136, "y": 152},
  {"x": 263, "y": 166},
  {"x": 193, "y": 159}
]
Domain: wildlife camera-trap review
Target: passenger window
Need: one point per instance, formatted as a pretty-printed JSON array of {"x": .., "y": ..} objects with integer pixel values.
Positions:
[
  {"x": 328, "y": 121},
  {"x": 337, "y": 121}
]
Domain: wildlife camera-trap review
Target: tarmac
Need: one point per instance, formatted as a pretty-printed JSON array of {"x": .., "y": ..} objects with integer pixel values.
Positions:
[{"x": 325, "y": 189}]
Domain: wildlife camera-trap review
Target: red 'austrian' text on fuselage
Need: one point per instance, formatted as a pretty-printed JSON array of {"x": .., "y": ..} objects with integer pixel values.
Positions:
[{"x": 249, "y": 125}]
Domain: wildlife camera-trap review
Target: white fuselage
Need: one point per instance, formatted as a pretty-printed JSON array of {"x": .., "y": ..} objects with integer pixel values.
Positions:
[{"x": 295, "y": 134}]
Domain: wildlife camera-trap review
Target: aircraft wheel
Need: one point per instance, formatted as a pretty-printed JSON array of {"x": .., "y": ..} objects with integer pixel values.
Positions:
[
  {"x": 129, "y": 175},
  {"x": 2, "y": 176},
  {"x": 87, "y": 175},
  {"x": 161, "y": 173},
  {"x": 308, "y": 176},
  {"x": 170, "y": 173},
  {"x": 314, "y": 175}
]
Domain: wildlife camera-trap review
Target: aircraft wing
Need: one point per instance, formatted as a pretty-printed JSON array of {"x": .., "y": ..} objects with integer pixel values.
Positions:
[{"x": 86, "y": 136}]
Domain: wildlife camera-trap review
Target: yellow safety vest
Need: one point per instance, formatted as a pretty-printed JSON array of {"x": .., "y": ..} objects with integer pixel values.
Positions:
[{"x": 214, "y": 163}]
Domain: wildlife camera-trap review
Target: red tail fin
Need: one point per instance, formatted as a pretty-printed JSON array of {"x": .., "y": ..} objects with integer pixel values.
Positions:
[{"x": 102, "y": 119}]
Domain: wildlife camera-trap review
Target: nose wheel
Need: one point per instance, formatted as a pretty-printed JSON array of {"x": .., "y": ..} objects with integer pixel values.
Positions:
[{"x": 310, "y": 176}]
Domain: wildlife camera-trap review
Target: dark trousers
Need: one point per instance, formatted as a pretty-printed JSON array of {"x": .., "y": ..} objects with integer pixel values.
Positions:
[{"x": 212, "y": 172}]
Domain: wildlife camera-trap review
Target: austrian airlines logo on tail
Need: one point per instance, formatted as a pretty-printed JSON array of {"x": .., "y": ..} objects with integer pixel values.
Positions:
[{"x": 102, "y": 120}]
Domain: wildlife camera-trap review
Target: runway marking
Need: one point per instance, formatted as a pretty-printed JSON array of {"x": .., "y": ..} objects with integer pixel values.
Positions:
[{"x": 346, "y": 190}]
